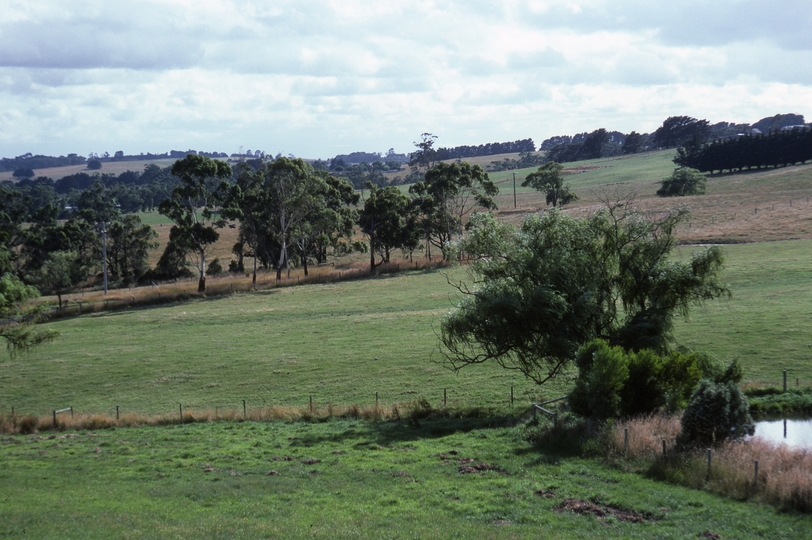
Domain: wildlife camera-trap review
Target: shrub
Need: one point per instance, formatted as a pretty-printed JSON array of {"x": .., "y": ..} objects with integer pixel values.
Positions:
[
  {"x": 684, "y": 181},
  {"x": 28, "y": 424},
  {"x": 613, "y": 382},
  {"x": 602, "y": 374},
  {"x": 215, "y": 268},
  {"x": 717, "y": 412}
]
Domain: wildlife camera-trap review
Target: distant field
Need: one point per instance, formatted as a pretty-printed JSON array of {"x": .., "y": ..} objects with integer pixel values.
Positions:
[
  {"x": 112, "y": 167},
  {"x": 767, "y": 324}
]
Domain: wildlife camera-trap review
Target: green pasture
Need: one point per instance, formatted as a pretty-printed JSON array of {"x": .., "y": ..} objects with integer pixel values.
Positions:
[
  {"x": 343, "y": 479},
  {"x": 606, "y": 172},
  {"x": 343, "y": 342},
  {"x": 767, "y": 322},
  {"x": 340, "y": 343}
]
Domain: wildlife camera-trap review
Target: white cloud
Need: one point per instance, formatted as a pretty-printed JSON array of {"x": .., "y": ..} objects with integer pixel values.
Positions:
[{"x": 318, "y": 77}]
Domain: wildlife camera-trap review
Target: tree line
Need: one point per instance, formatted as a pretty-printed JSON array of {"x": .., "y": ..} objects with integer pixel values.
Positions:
[
  {"x": 778, "y": 148},
  {"x": 488, "y": 149}
]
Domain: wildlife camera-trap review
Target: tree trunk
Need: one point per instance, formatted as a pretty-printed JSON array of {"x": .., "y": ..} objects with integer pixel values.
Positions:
[
  {"x": 372, "y": 252},
  {"x": 254, "y": 280},
  {"x": 201, "y": 285}
]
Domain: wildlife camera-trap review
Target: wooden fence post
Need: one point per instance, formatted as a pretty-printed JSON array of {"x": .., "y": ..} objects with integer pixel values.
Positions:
[
  {"x": 116, "y": 412},
  {"x": 709, "y": 463},
  {"x": 755, "y": 475},
  {"x": 625, "y": 441}
]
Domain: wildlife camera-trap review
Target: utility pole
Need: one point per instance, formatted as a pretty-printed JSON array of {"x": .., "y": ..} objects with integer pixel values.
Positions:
[
  {"x": 103, "y": 226},
  {"x": 514, "y": 190}
]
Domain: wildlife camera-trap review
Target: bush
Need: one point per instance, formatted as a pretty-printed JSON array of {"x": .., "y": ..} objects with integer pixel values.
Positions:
[
  {"x": 602, "y": 374},
  {"x": 215, "y": 268},
  {"x": 23, "y": 172},
  {"x": 613, "y": 382},
  {"x": 684, "y": 181},
  {"x": 717, "y": 412},
  {"x": 28, "y": 424}
]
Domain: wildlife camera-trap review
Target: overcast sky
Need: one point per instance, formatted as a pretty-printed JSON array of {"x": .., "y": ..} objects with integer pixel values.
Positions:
[{"x": 318, "y": 78}]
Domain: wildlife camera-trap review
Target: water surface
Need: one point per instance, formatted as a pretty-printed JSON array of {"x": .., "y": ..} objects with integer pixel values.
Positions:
[{"x": 794, "y": 433}]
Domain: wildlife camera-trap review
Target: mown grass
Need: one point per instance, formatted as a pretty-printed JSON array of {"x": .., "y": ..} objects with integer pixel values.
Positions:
[{"x": 343, "y": 479}]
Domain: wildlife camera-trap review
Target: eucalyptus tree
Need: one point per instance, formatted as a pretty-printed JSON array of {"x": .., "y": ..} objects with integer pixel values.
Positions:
[
  {"x": 292, "y": 190},
  {"x": 549, "y": 180},
  {"x": 200, "y": 189},
  {"x": 389, "y": 220},
  {"x": 331, "y": 220},
  {"x": 248, "y": 202},
  {"x": 449, "y": 192}
]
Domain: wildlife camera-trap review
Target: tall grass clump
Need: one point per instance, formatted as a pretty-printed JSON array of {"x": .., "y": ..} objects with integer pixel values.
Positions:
[{"x": 784, "y": 474}]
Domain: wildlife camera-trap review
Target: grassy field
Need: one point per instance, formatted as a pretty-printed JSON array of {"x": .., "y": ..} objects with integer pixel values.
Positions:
[
  {"x": 767, "y": 324},
  {"x": 441, "y": 478},
  {"x": 342, "y": 343}
]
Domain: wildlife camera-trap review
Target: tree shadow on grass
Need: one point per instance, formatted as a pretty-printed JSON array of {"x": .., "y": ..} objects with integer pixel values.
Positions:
[
  {"x": 433, "y": 425},
  {"x": 122, "y": 307},
  {"x": 551, "y": 446}
]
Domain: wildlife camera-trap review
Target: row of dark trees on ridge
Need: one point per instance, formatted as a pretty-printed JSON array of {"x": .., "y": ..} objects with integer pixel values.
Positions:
[{"x": 779, "y": 148}]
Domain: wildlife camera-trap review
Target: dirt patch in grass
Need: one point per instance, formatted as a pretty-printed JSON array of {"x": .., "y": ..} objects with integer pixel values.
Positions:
[
  {"x": 600, "y": 511},
  {"x": 545, "y": 494},
  {"x": 476, "y": 468}
]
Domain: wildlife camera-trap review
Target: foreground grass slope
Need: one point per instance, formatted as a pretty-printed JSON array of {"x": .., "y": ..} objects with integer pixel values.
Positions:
[{"x": 440, "y": 478}]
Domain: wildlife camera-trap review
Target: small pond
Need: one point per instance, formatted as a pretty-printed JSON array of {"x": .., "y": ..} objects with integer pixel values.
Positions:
[{"x": 795, "y": 433}]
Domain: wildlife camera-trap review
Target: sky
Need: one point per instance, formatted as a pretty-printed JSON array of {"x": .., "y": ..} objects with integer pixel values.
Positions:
[{"x": 318, "y": 78}]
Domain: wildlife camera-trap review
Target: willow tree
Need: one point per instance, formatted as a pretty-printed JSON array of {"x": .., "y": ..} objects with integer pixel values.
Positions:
[{"x": 542, "y": 291}]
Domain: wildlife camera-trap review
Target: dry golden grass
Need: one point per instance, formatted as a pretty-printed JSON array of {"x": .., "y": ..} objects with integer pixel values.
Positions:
[
  {"x": 92, "y": 301},
  {"x": 784, "y": 474},
  {"x": 757, "y": 206},
  {"x": 645, "y": 436},
  {"x": 10, "y": 424}
]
